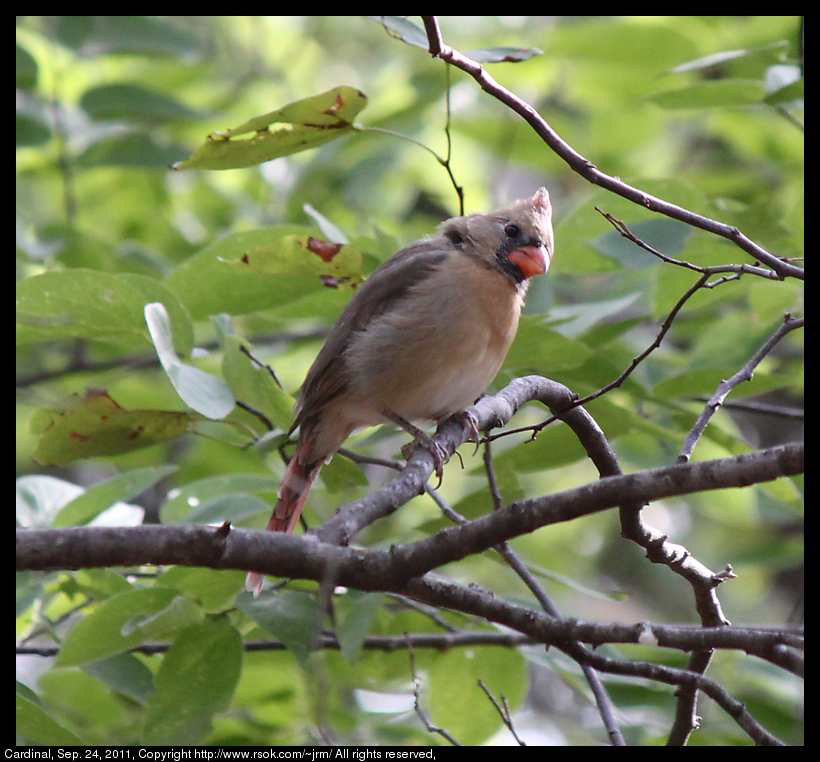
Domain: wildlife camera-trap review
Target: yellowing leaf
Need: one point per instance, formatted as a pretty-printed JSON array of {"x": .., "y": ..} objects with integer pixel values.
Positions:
[
  {"x": 306, "y": 123},
  {"x": 94, "y": 424},
  {"x": 305, "y": 255}
]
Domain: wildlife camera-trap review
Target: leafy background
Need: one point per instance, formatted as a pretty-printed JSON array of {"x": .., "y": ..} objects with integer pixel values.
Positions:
[{"x": 675, "y": 105}]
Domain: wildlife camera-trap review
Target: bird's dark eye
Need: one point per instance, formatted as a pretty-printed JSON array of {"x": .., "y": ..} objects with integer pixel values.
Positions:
[
  {"x": 455, "y": 238},
  {"x": 512, "y": 231}
]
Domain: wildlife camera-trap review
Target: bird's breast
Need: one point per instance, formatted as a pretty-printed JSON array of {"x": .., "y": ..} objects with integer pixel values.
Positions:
[{"x": 438, "y": 350}]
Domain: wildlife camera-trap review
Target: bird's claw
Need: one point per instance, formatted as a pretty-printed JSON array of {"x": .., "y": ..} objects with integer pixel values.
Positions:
[
  {"x": 468, "y": 420},
  {"x": 464, "y": 418},
  {"x": 434, "y": 448}
]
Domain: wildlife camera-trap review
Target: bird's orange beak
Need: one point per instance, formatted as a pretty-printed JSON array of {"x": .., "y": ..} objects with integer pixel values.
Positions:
[{"x": 532, "y": 260}]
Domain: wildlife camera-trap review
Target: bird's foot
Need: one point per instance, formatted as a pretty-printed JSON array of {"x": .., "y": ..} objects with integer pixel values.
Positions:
[
  {"x": 420, "y": 439},
  {"x": 434, "y": 448},
  {"x": 468, "y": 420}
]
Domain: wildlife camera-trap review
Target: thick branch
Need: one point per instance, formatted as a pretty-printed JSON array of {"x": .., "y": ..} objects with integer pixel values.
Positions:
[
  {"x": 306, "y": 557},
  {"x": 92, "y": 547},
  {"x": 527, "y": 515},
  {"x": 317, "y": 556}
]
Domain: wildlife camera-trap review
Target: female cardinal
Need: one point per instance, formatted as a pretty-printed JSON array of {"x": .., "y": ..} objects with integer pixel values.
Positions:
[{"x": 421, "y": 339}]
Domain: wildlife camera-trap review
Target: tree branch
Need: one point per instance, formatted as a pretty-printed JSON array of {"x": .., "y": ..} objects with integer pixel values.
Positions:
[
  {"x": 489, "y": 412},
  {"x": 306, "y": 557},
  {"x": 399, "y": 569},
  {"x": 736, "y": 270},
  {"x": 586, "y": 168},
  {"x": 95, "y": 547},
  {"x": 328, "y": 641},
  {"x": 726, "y": 386}
]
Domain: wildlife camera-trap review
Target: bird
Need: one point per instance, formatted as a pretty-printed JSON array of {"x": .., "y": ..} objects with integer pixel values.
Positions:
[{"x": 420, "y": 340}]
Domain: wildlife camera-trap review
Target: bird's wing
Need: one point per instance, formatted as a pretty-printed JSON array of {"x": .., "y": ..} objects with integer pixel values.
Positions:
[{"x": 387, "y": 285}]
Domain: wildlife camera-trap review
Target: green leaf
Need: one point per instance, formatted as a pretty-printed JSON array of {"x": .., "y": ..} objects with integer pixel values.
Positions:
[
  {"x": 197, "y": 678},
  {"x": 134, "y": 103},
  {"x": 328, "y": 228},
  {"x": 95, "y": 424},
  {"x": 133, "y": 149},
  {"x": 99, "y": 583},
  {"x": 557, "y": 445},
  {"x": 88, "y": 304},
  {"x": 124, "y": 673},
  {"x": 98, "y": 35},
  {"x": 303, "y": 124},
  {"x": 213, "y": 589},
  {"x": 704, "y": 383},
  {"x": 341, "y": 474},
  {"x": 712, "y": 94},
  {"x": 579, "y": 318},
  {"x": 233, "y": 289},
  {"x": 358, "y": 612},
  {"x": 584, "y": 224},
  {"x": 254, "y": 385},
  {"x": 299, "y": 255},
  {"x": 209, "y": 395},
  {"x": 231, "y": 508},
  {"x": 641, "y": 49},
  {"x": 289, "y": 616},
  {"x": 406, "y": 30},
  {"x": 30, "y": 130},
  {"x": 37, "y": 725},
  {"x": 707, "y": 62},
  {"x": 411, "y": 33},
  {"x": 666, "y": 236},
  {"x": 784, "y": 84},
  {"x": 452, "y": 684},
  {"x": 25, "y": 68},
  {"x": 187, "y": 500},
  {"x": 103, "y": 495},
  {"x": 537, "y": 348},
  {"x": 40, "y": 498},
  {"x": 124, "y": 621},
  {"x": 502, "y": 54},
  {"x": 747, "y": 62}
]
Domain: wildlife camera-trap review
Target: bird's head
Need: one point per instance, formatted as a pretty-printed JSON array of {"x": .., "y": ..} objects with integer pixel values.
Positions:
[{"x": 518, "y": 239}]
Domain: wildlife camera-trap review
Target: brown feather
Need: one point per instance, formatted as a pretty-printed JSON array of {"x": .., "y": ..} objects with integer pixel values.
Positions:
[
  {"x": 420, "y": 340},
  {"x": 388, "y": 284}
]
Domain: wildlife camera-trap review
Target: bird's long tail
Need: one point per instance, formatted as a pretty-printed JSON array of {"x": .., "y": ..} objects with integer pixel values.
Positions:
[{"x": 293, "y": 492}]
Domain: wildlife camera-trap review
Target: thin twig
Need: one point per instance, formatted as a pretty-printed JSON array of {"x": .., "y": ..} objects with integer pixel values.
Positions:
[
  {"x": 763, "y": 408},
  {"x": 260, "y": 364},
  {"x": 636, "y": 361},
  {"x": 428, "y": 726},
  {"x": 686, "y": 708},
  {"x": 448, "y": 165},
  {"x": 503, "y": 712},
  {"x": 444, "y": 161},
  {"x": 440, "y": 592},
  {"x": 725, "y": 387},
  {"x": 621, "y": 227},
  {"x": 602, "y": 699},
  {"x": 328, "y": 641}
]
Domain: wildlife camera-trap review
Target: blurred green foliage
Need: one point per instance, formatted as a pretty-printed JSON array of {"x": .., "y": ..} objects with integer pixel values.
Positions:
[{"x": 703, "y": 111}]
